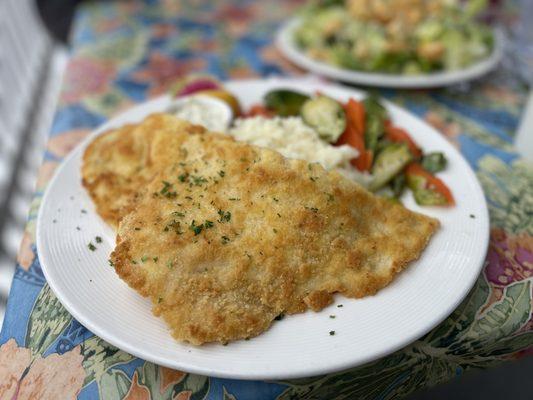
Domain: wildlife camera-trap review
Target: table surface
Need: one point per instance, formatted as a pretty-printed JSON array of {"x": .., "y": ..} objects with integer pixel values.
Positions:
[{"x": 124, "y": 53}]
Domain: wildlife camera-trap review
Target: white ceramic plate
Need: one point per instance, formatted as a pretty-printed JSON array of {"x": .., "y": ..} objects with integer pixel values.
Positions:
[
  {"x": 285, "y": 42},
  {"x": 300, "y": 345}
]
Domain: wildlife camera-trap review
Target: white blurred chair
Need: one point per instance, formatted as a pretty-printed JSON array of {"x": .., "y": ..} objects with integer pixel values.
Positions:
[{"x": 31, "y": 66}]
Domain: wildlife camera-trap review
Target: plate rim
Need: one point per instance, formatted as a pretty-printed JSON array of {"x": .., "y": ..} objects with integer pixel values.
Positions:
[
  {"x": 114, "y": 340},
  {"x": 285, "y": 43}
]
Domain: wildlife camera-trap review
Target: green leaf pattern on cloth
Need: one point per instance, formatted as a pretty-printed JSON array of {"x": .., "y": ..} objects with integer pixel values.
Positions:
[
  {"x": 114, "y": 384},
  {"x": 504, "y": 317},
  {"x": 47, "y": 321},
  {"x": 509, "y": 191},
  {"x": 99, "y": 356}
]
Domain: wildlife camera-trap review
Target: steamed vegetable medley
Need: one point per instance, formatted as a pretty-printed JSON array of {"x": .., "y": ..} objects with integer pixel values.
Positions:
[
  {"x": 395, "y": 36},
  {"x": 387, "y": 155}
]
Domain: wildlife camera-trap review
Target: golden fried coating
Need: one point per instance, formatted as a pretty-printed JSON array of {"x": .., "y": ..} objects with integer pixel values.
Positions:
[
  {"x": 228, "y": 236},
  {"x": 118, "y": 163}
]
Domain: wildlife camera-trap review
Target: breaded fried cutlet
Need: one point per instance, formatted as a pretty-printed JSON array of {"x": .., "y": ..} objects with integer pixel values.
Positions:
[
  {"x": 228, "y": 236},
  {"x": 119, "y": 163}
]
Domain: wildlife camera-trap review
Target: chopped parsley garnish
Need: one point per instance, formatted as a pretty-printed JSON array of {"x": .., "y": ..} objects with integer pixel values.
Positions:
[
  {"x": 332, "y": 316},
  {"x": 331, "y": 333},
  {"x": 313, "y": 209},
  {"x": 166, "y": 190},
  {"x": 197, "y": 229},
  {"x": 111, "y": 263},
  {"x": 339, "y": 306},
  {"x": 225, "y": 216},
  {"x": 155, "y": 259},
  {"x": 144, "y": 258},
  {"x": 183, "y": 177},
  {"x": 279, "y": 215},
  {"x": 472, "y": 216},
  {"x": 188, "y": 197},
  {"x": 178, "y": 214},
  {"x": 137, "y": 229},
  {"x": 78, "y": 228},
  {"x": 330, "y": 197},
  {"x": 98, "y": 239},
  {"x": 175, "y": 226},
  {"x": 275, "y": 230},
  {"x": 221, "y": 173},
  {"x": 83, "y": 211},
  {"x": 276, "y": 200},
  {"x": 159, "y": 300},
  {"x": 234, "y": 199},
  {"x": 198, "y": 180},
  {"x": 170, "y": 264},
  {"x": 313, "y": 178},
  {"x": 91, "y": 246},
  {"x": 225, "y": 239}
]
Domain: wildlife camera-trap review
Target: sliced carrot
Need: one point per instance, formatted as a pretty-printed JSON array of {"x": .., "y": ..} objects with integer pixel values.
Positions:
[
  {"x": 395, "y": 134},
  {"x": 364, "y": 161},
  {"x": 432, "y": 182},
  {"x": 355, "y": 115},
  {"x": 355, "y": 133},
  {"x": 259, "y": 110},
  {"x": 352, "y": 138}
]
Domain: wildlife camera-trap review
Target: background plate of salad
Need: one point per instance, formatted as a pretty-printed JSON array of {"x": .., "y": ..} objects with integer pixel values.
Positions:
[{"x": 393, "y": 43}]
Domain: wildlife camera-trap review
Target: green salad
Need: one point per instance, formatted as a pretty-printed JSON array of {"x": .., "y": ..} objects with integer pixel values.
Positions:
[{"x": 395, "y": 36}]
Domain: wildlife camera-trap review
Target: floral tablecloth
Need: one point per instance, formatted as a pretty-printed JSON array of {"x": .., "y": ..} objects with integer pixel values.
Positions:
[{"x": 124, "y": 53}]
